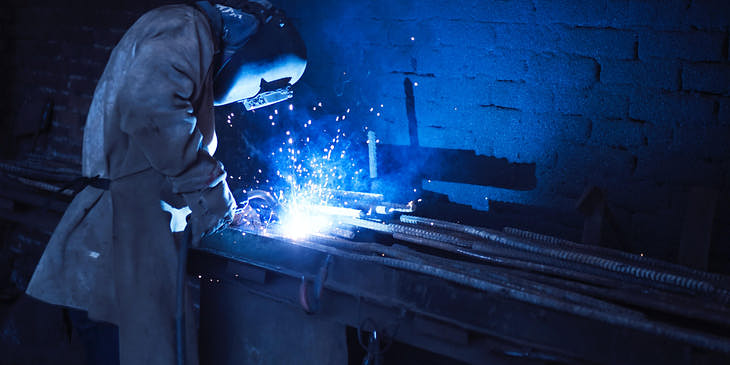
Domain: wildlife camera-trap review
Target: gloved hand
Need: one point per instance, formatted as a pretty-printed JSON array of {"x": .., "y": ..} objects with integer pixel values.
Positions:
[
  {"x": 212, "y": 209},
  {"x": 247, "y": 217}
]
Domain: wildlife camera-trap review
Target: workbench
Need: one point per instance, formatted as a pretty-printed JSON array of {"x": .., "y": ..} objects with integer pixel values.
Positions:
[{"x": 320, "y": 287}]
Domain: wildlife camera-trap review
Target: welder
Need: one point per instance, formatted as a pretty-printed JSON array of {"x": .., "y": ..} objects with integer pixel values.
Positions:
[{"x": 147, "y": 162}]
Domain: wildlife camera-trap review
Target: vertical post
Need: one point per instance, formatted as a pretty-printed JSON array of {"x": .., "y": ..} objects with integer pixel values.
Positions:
[
  {"x": 411, "y": 112},
  {"x": 372, "y": 156}
]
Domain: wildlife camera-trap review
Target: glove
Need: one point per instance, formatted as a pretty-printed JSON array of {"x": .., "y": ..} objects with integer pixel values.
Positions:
[
  {"x": 212, "y": 209},
  {"x": 247, "y": 217}
]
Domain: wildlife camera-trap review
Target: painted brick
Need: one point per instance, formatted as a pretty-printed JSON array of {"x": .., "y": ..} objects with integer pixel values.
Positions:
[
  {"x": 588, "y": 13},
  {"x": 609, "y": 43},
  {"x": 390, "y": 59},
  {"x": 676, "y": 168},
  {"x": 79, "y": 102},
  {"x": 709, "y": 14},
  {"x": 723, "y": 116},
  {"x": 532, "y": 138},
  {"x": 692, "y": 46},
  {"x": 352, "y": 31},
  {"x": 81, "y": 84},
  {"x": 495, "y": 65},
  {"x": 448, "y": 32},
  {"x": 497, "y": 132},
  {"x": 449, "y": 91},
  {"x": 569, "y": 187},
  {"x": 641, "y": 196},
  {"x": 520, "y": 95},
  {"x": 592, "y": 165},
  {"x": 507, "y": 11},
  {"x": 712, "y": 78},
  {"x": 621, "y": 134},
  {"x": 557, "y": 129},
  {"x": 42, "y": 50},
  {"x": 486, "y": 130},
  {"x": 498, "y": 65},
  {"x": 643, "y": 74},
  {"x": 107, "y": 37},
  {"x": 707, "y": 143},
  {"x": 69, "y": 120},
  {"x": 539, "y": 38},
  {"x": 562, "y": 70},
  {"x": 658, "y": 15},
  {"x": 592, "y": 102},
  {"x": 31, "y": 77},
  {"x": 659, "y": 136},
  {"x": 660, "y": 107}
]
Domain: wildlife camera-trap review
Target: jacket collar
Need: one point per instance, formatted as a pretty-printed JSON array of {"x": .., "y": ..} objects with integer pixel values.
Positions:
[{"x": 215, "y": 20}]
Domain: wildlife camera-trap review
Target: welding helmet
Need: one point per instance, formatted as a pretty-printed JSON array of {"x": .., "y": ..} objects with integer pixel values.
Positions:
[{"x": 260, "y": 69}]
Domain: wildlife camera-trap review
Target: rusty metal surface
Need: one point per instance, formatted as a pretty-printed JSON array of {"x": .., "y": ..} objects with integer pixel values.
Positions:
[{"x": 513, "y": 300}]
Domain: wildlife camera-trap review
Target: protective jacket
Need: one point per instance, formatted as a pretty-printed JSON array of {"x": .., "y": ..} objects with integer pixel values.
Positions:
[{"x": 150, "y": 131}]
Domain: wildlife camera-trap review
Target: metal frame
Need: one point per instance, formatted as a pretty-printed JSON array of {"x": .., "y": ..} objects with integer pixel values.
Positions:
[{"x": 430, "y": 313}]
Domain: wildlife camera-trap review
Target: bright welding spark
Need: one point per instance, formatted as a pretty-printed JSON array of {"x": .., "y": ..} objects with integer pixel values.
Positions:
[{"x": 308, "y": 168}]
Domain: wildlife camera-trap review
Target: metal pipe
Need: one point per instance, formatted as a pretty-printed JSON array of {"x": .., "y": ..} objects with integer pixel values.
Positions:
[{"x": 634, "y": 258}]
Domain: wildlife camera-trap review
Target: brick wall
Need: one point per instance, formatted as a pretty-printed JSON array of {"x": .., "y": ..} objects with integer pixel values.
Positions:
[
  {"x": 631, "y": 96},
  {"x": 56, "y": 52}
]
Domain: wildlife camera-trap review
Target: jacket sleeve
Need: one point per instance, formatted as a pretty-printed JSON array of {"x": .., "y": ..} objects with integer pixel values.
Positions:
[{"x": 156, "y": 111}]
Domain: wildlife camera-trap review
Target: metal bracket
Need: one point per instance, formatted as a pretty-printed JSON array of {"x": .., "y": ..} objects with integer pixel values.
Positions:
[{"x": 310, "y": 291}]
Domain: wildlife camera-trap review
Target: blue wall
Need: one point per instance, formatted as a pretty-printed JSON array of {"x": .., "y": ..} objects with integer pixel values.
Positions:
[{"x": 629, "y": 96}]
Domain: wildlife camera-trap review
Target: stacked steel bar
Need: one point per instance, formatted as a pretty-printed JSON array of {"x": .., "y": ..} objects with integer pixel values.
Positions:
[{"x": 602, "y": 284}]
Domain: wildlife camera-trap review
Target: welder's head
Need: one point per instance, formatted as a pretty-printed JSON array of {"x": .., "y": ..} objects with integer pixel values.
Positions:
[{"x": 262, "y": 55}]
